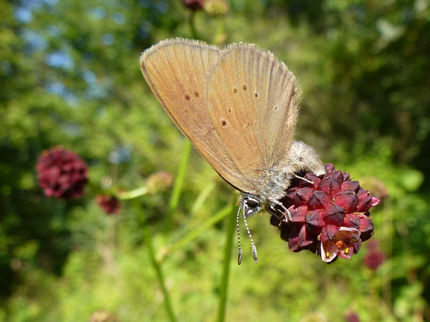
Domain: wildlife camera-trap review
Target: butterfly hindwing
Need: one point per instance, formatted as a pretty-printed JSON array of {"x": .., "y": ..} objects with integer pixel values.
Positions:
[{"x": 252, "y": 99}]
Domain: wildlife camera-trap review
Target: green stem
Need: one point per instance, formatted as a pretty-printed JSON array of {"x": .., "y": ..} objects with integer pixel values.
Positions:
[
  {"x": 195, "y": 233},
  {"x": 201, "y": 198},
  {"x": 133, "y": 193},
  {"x": 226, "y": 267},
  {"x": 177, "y": 187},
  {"x": 155, "y": 264},
  {"x": 193, "y": 25}
]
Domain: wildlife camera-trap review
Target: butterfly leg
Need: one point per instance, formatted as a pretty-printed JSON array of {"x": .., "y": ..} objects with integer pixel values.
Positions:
[
  {"x": 302, "y": 178},
  {"x": 274, "y": 212},
  {"x": 286, "y": 213}
]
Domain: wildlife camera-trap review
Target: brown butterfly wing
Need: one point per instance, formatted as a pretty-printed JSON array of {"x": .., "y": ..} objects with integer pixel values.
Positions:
[
  {"x": 177, "y": 72},
  {"x": 252, "y": 99}
]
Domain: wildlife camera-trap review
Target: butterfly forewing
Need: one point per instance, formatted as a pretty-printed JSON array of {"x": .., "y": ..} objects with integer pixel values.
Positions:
[
  {"x": 252, "y": 99},
  {"x": 177, "y": 71}
]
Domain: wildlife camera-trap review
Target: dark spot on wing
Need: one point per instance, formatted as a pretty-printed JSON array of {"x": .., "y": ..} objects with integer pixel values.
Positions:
[
  {"x": 187, "y": 97},
  {"x": 234, "y": 90},
  {"x": 223, "y": 123},
  {"x": 244, "y": 87},
  {"x": 196, "y": 94},
  {"x": 276, "y": 107},
  {"x": 256, "y": 94},
  {"x": 229, "y": 110}
]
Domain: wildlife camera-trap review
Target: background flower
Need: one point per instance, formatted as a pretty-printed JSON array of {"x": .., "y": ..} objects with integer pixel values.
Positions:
[
  {"x": 193, "y": 4},
  {"x": 110, "y": 204},
  {"x": 61, "y": 173},
  {"x": 374, "y": 257}
]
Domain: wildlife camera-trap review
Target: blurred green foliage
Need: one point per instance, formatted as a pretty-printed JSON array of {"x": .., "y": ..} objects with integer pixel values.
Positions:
[{"x": 69, "y": 76}]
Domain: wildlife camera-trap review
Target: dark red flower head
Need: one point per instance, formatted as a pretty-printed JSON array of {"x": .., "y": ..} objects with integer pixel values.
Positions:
[
  {"x": 110, "y": 204},
  {"x": 194, "y": 4},
  {"x": 330, "y": 215},
  {"x": 374, "y": 257},
  {"x": 61, "y": 173},
  {"x": 352, "y": 317}
]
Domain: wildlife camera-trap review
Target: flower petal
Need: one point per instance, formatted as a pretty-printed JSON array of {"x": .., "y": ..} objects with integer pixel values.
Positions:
[
  {"x": 351, "y": 220},
  {"x": 329, "y": 251},
  {"x": 347, "y": 200},
  {"x": 348, "y": 234},
  {"x": 303, "y": 238},
  {"x": 298, "y": 214},
  {"x": 366, "y": 227},
  {"x": 334, "y": 214},
  {"x": 328, "y": 232},
  {"x": 319, "y": 199},
  {"x": 302, "y": 196},
  {"x": 330, "y": 185},
  {"x": 314, "y": 220},
  {"x": 329, "y": 167},
  {"x": 364, "y": 201},
  {"x": 375, "y": 201},
  {"x": 350, "y": 185}
]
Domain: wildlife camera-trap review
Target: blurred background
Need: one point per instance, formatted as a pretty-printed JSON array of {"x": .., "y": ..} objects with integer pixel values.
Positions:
[{"x": 70, "y": 77}]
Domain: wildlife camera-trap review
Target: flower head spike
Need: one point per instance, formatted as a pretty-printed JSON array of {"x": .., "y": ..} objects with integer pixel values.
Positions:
[
  {"x": 61, "y": 173},
  {"x": 330, "y": 215}
]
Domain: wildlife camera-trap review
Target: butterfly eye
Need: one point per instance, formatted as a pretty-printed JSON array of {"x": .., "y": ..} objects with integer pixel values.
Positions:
[{"x": 252, "y": 203}]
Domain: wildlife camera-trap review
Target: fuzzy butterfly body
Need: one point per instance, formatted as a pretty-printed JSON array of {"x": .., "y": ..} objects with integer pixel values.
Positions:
[{"x": 238, "y": 106}]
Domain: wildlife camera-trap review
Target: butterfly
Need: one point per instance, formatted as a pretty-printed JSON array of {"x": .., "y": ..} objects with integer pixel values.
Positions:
[{"x": 238, "y": 106}]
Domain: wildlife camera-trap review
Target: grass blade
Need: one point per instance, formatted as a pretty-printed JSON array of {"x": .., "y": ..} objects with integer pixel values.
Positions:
[
  {"x": 177, "y": 187},
  {"x": 155, "y": 263},
  {"x": 231, "y": 224}
]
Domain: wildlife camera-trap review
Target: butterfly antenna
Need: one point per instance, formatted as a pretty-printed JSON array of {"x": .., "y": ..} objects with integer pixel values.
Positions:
[
  {"x": 254, "y": 249},
  {"x": 239, "y": 247}
]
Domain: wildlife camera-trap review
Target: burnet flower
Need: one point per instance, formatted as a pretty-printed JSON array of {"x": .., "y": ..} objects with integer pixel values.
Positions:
[
  {"x": 330, "y": 215},
  {"x": 61, "y": 173},
  {"x": 193, "y": 4},
  {"x": 109, "y": 203},
  {"x": 374, "y": 257}
]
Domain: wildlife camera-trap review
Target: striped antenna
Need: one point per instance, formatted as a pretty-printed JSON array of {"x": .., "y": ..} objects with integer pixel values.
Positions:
[
  {"x": 239, "y": 247},
  {"x": 254, "y": 249}
]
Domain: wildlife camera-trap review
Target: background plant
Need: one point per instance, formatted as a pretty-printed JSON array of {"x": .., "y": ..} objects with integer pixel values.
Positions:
[{"x": 69, "y": 75}]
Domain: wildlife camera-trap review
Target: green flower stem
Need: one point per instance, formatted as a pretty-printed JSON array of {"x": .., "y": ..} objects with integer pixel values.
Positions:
[
  {"x": 204, "y": 194},
  {"x": 201, "y": 198},
  {"x": 155, "y": 264},
  {"x": 177, "y": 187},
  {"x": 192, "y": 24},
  {"x": 132, "y": 194},
  {"x": 202, "y": 228},
  {"x": 226, "y": 267}
]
